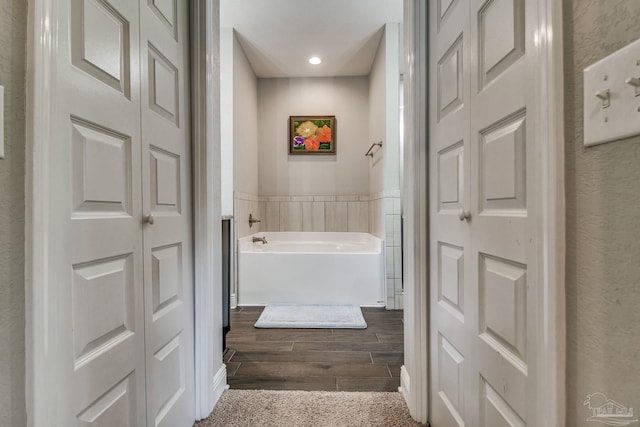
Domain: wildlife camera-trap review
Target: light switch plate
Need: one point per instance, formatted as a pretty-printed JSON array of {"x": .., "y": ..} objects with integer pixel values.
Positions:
[
  {"x": 621, "y": 118},
  {"x": 1, "y": 122}
]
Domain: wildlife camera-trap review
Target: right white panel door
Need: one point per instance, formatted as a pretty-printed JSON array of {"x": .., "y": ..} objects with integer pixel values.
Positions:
[
  {"x": 166, "y": 190},
  {"x": 483, "y": 246}
]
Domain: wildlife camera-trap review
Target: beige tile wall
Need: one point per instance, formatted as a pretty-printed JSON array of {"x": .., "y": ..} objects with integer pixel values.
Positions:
[
  {"x": 245, "y": 204},
  {"x": 315, "y": 213},
  {"x": 385, "y": 216}
]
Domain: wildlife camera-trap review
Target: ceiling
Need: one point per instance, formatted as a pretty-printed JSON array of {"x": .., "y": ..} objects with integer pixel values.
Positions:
[{"x": 279, "y": 36}]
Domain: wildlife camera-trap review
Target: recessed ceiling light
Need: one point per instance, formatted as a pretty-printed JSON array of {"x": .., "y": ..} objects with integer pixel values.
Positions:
[{"x": 314, "y": 60}]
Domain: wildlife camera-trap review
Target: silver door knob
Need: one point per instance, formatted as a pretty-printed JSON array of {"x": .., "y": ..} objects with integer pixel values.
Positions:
[
  {"x": 465, "y": 215},
  {"x": 149, "y": 219}
]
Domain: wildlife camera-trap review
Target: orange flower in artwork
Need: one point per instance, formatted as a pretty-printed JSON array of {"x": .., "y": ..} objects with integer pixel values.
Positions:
[
  {"x": 324, "y": 134},
  {"x": 312, "y": 143}
]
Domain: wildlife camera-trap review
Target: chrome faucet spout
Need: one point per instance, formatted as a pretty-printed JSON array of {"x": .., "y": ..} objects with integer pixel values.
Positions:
[{"x": 262, "y": 239}]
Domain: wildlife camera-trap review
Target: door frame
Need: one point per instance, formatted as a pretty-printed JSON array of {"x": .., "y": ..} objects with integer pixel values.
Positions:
[
  {"x": 39, "y": 194},
  {"x": 414, "y": 374},
  {"x": 40, "y": 198},
  {"x": 210, "y": 371},
  {"x": 549, "y": 116}
]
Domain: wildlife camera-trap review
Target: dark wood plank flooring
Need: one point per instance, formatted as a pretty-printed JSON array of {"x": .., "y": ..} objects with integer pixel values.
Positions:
[{"x": 316, "y": 359}]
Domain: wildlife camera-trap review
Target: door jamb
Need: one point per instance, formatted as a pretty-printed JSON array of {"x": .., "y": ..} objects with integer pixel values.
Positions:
[
  {"x": 414, "y": 376},
  {"x": 210, "y": 372},
  {"x": 551, "y": 320},
  {"x": 42, "y": 32}
]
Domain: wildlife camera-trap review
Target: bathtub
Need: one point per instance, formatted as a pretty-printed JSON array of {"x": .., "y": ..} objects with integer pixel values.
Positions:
[{"x": 311, "y": 268}]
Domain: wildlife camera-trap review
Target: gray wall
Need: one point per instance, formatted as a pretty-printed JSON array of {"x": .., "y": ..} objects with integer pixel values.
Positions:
[
  {"x": 13, "y": 34},
  {"x": 345, "y": 173},
  {"x": 245, "y": 123},
  {"x": 384, "y": 113},
  {"x": 377, "y": 119},
  {"x": 603, "y": 230}
]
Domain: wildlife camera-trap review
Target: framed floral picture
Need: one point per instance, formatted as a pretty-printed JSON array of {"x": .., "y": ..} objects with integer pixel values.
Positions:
[{"x": 312, "y": 134}]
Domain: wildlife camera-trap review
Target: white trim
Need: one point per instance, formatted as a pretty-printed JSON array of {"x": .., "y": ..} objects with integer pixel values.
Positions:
[
  {"x": 209, "y": 369},
  {"x": 219, "y": 384},
  {"x": 234, "y": 301},
  {"x": 405, "y": 382},
  {"x": 41, "y": 93},
  {"x": 551, "y": 232},
  {"x": 415, "y": 199}
]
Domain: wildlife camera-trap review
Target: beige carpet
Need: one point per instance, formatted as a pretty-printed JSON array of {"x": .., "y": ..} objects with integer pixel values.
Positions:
[{"x": 308, "y": 408}]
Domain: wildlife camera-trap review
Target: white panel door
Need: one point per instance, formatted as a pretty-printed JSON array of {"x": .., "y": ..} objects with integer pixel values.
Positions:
[
  {"x": 168, "y": 291},
  {"x": 102, "y": 366},
  {"x": 452, "y": 309},
  {"x": 119, "y": 333},
  {"x": 483, "y": 249}
]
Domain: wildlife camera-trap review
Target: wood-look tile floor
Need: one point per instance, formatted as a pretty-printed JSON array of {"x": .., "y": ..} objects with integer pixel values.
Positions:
[{"x": 316, "y": 359}]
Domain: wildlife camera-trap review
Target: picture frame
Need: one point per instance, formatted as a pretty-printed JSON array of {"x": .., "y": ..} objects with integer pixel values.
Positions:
[{"x": 312, "y": 135}]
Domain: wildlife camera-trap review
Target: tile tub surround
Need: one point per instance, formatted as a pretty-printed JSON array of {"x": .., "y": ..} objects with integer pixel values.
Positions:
[
  {"x": 378, "y": 214},
  {"x": 243, "y": 205},
  {"x": 385, "y": 217},
  {"x": 315, "y": 213},
  {"x": 316, "y": 359}
]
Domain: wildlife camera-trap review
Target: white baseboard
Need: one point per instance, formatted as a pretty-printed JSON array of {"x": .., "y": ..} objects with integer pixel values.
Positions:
[
  {"x": 214, "y": 391},
  {"x": 405, "y": 382},
  {"x": 233, "y": 301},
  {"x": 219, "y": 384}
]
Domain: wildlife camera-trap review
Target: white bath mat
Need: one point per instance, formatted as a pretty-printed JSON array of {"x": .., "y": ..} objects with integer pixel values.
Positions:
[{"x": 311, "y": 316}]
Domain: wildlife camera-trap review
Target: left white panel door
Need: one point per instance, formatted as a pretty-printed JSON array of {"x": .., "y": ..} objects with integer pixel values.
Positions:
[
  {"x": 118, "y": 299},
  {"x": 102, "y": 319}
]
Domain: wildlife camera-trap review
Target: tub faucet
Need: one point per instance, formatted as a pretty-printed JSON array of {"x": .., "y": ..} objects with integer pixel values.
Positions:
[{"x": 262, "y": 239}]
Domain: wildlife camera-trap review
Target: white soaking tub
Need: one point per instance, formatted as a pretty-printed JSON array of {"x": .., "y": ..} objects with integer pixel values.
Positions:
[{"x": 311, "y": 268}]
